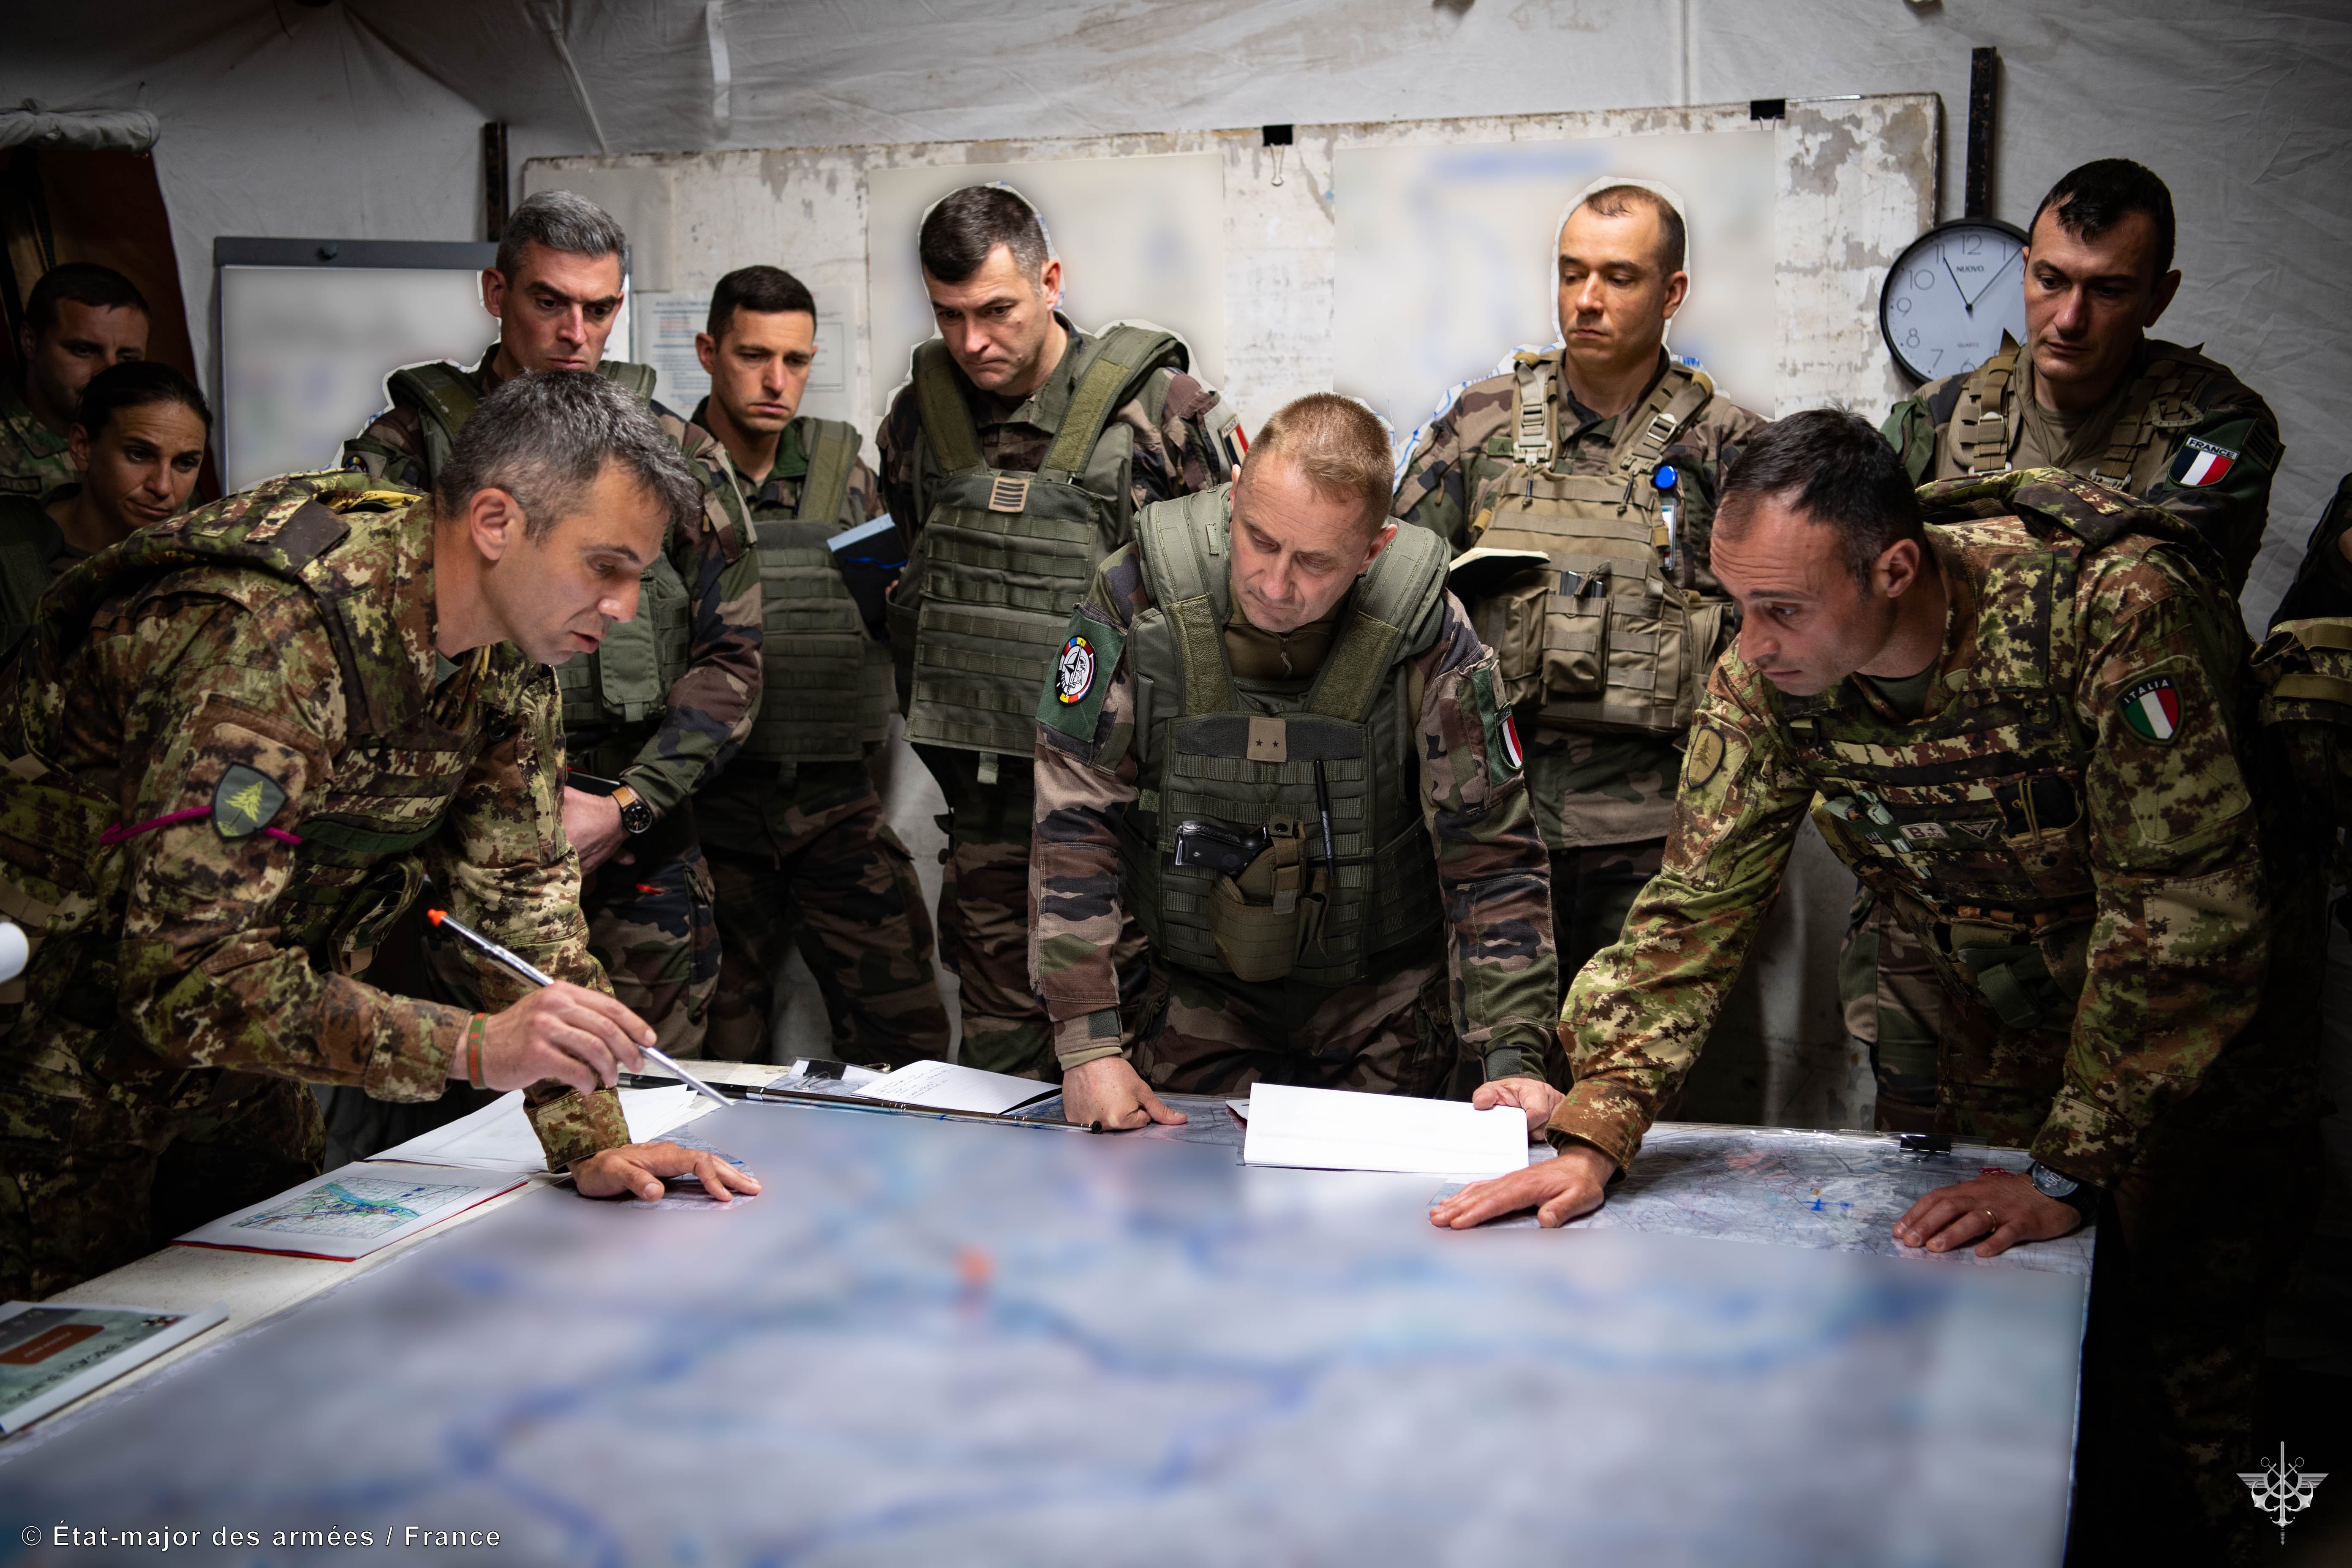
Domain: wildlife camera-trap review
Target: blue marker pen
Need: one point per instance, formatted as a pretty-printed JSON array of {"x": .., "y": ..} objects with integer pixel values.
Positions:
[{"x": 1663, "y": 478}]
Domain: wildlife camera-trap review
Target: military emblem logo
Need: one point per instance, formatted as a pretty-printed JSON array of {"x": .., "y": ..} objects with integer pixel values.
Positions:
[
  {"x": 2201, "y": 463},
  {"x": 1705, "y": 755},
  {"x": 1074, "y": 673},
  {"x": 244, "y": 801},
  {"x": 2282, "y": 1490},
  {"x": 1511, "y": 744},
  {"x": 2152, "y": 710}
]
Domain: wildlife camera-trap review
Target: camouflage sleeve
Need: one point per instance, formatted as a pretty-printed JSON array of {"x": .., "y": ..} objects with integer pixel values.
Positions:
[
  {"x": 2219, "y": 481},
  {"x": 2178, "y": 942},
  {"x": 512, "y": 874},
  {"x": 894, "y": 442},
  {"x": 1702, "y": 454},
  {"x": 1491, "y": 863},
  {"x": 1182, "y": 450},
  {"x": 1638, "y": 1012},
  {"x": 1087, "y": 780},
  {"x": 865, "y": 498},
  {"x": 392, "y": 449},
  {"x": 710, "y": 708},
  {"x": 2322, "y": 584},
  {"x": 204, "y": 980},
  {"x": 1434, "y": 492},
  {"x": 1910, "y": 429}
]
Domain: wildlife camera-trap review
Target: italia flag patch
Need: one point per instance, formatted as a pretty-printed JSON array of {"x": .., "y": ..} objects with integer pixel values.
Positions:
[
  {"x": 2152, "y": 710},
  {"x": 2201, "y": 463}
]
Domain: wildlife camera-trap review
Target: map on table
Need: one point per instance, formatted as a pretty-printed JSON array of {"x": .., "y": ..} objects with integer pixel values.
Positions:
[{"x": 970, "y": 1343}]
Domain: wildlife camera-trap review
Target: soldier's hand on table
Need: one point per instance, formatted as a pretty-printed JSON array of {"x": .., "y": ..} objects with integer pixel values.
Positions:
[
  {"x": 567, "y": 1032},
  {"x": 1531, "y": 1095},
  {"x": 637, "y": 1169},
  {"x": 1557, "y": 1190},
  {"x": 593, "y": 823},
  {"x": 1108, "y": 1091},
  {"x": 1996, "y": 1212}
]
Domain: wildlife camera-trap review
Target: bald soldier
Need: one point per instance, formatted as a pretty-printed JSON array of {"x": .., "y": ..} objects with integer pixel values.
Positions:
[
  {"x": 1282, "y": 833},
  {"x": 2089, "y": 392},
  {"x": 659, "y": 710},
  {"x": 2022, "y": 724},
  {"x": 1015, "y": 460},
  {"x": 239, "y": 743},
  {"x": 1604, "y": 457}
]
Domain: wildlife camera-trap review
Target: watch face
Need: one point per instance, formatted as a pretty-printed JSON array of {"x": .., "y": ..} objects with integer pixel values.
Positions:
[{"x": 1952, "y": 295}]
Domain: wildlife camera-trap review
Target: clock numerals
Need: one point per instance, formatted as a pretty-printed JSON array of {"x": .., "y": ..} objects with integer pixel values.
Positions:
[{"x": 1951, "y": 295}]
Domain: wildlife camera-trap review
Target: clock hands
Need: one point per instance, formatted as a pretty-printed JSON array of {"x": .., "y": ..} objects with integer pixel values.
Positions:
[
  {"x": 1966, "y": 304},
  {"x": 1989, "y": 281}
]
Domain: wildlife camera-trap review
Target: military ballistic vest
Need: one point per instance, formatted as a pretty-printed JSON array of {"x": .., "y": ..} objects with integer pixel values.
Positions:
[
  {"x": 1227, "y": 762},
  {"x": 355, "y": 868},
  {"x": 1609, "y": 637},
  {"x": 1003, "y": 555},
  {"x": 627, "y": 680},
  {"x": 826, "y": 693},
  {"x": 2305, "y": 674},
  {"x": 2162, "y": 402},
  {"x": 1971, "y": 822}
]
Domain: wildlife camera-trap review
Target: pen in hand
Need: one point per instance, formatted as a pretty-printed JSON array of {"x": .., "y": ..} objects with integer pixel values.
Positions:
[{"x": 524, "y": 969}]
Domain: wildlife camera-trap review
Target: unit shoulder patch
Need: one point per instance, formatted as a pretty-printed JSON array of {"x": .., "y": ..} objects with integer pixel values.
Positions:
[
  {"x": 1704, "y": 757},
  {"x": 1081, "y": 674},
  {"x": 2201, "y": 462},
  {"x": 244, "y": 801},
  {"x": 2151, "y": 710}
]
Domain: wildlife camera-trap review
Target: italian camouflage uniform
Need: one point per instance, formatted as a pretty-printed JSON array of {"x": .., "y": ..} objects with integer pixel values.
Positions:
[
  {"x": 235, "y": 758},
  {"x": 1166, "y": 436},
  {"x": 798, "y": 849},
  {"x": 650, "y": 917},
  {"x": 34, "y": 459},
  {"x": 1384, "y": 924},
  {"x": 2068, "y": 833},
  {"x": 2179, "y": 432},
  {"x": 1604, "y": 792}
]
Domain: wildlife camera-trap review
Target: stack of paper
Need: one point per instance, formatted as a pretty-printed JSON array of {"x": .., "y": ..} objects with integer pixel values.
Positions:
[
  {"x": 1335, "y": 1130},
  {"x": 945, "y": 1086}
]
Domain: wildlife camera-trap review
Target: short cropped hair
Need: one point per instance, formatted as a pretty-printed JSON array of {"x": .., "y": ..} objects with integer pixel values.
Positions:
[
  {"x": 85, "y": 283},
  {"x": 764, "y": 291},
  {"x": 544, "y": 436},
  {"x": 1835, "y": 469},
  {"x": 559, "y": 221},
  {"x": 136, "y": 384},
  {"x": 2094, "y": 198},
  {"x": 1338, "y": 446},
  {"x": 1617, "y": 201},
  {"x": 959, "y": 232}
]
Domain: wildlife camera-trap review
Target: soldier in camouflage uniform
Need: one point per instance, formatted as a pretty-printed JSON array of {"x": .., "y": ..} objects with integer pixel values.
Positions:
[
  {"x": 793, "y": 828},
  {"x": 1605, "y": 456},
  {"x": 1017, "y": 455},
  {"x": 1282, "y": 832},
  {"x": 2090, "y": 393},
  {"x": 663, "y": 705},
  {"x": 239, "y": 742},
  {"x": 80, "y": 319},
  {"x": 2054, "y": 806}
]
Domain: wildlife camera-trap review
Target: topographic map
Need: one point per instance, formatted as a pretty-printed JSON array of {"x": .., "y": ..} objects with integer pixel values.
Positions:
[
  {"x": 958, "y": 1343},
  {"x": 363, "y": 1207}
]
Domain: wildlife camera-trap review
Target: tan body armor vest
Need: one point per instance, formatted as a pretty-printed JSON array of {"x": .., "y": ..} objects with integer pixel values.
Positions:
[
  {"x": 2305, "y": 672},
  {"x": 2162, "y": 400},
  {"x": 825, "y": 692},
  {"x": 1611, "y": 636},
  {"x": 1973, "y": 823},
  {"x": 626, "y": 681},
  {"x": 355, "y": 869},
  {"x": 1227, "y": 761},
  {"x": 979, "y": 614}
]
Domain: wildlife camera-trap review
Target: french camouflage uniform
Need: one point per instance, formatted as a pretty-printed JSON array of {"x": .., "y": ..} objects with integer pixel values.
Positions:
[
  {"x": 2067, "y": 832},
  {"x": 794, "y": 829},
  {"x": 1303, "y": 859},
  {"x": 660, "y": 706},
  {"x": 1603, "y": 647},
  {"x": 34, "y": 459},
  {"x": 1012, "y": 503},
  {"x": 33, "y": 555},
  {"x": 237, "y": 754},
  {"x": 2179, "y": 432}
]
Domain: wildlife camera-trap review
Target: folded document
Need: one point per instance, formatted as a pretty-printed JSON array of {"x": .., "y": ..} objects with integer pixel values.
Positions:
[{"x": 1338, "y": 1130}]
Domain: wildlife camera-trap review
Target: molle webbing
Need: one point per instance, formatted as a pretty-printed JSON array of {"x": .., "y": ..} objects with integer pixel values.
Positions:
[
  {"x": 1643, "y": 433},
  {"x": 832, "y": 455},
  {"x": 1986, "y": 438},
  {"x": 824, "y": 683},
  {"x": 2162, "y": 397}
]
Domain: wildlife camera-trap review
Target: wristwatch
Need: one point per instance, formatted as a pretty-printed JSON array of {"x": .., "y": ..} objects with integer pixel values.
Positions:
[
  {"x": 636, "y": 815},
  {"x": 2050, "y": 1184}
]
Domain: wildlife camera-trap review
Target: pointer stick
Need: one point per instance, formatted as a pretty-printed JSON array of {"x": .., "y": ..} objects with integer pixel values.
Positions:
[{"x": 529, "y": 972}]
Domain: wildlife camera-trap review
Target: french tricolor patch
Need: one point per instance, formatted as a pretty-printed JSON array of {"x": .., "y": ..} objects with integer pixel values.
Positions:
[
  {"x": 2201, "y": 463},
  {"x": 2152, "y": 710},
  {"x": 1511, "y": 742}
]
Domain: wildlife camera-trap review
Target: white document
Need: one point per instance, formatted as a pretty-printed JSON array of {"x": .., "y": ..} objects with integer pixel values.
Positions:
[
  {"x": 52, "y": 1356},
  {"x": 1338, "y": 1129},
  {"x": 945, "y": 1086},
  {"x": 349, "y": 1213},
  {"x": 499, "y": 1136}
]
